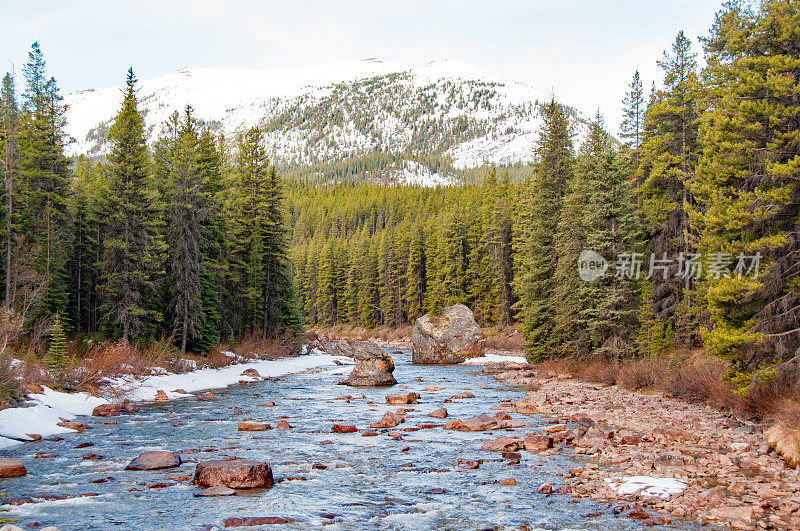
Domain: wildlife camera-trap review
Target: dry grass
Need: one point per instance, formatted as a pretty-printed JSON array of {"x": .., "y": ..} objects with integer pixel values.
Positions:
[
  {"x": 505, "y": 338},
  {"x": 646, "y": 373}
]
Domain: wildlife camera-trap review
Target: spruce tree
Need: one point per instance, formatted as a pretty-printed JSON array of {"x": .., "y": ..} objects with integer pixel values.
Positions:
[
  {"x": 535, "y": 231},
  {"x": 666, "y": 163},
  {"x": 747, "y": 182},
  {"x": 9, "y": 133},
  {"x": 133, "y": 244},
  {"x": 43, "y": 184},
  {"x": 633, "y": 110}
]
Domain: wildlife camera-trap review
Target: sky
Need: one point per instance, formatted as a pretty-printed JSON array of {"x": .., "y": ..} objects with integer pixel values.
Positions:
[{"x": 583, "y": 51}]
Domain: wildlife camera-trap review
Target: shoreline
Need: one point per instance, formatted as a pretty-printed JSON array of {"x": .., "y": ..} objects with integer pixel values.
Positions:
[{"x": 731, "y": 477}]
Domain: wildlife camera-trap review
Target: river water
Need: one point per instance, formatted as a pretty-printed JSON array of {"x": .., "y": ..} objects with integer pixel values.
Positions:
[{"x": 370, "y": 482}]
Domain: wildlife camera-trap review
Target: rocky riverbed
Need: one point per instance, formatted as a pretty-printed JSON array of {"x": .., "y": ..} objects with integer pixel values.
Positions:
[
  {"x": 731, "y": 477},
  {"x": 449, "y": 446}
]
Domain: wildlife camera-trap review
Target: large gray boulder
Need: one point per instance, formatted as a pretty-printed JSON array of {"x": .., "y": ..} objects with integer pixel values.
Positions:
[
  {"x": 451, "y": 337},
  {"x": 374, "y": 367}
]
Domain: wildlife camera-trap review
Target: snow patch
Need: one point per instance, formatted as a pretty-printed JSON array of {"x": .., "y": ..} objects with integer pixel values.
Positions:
[
  {"x": 646, "y": 485},
  {"x": 494, "y": 358}
]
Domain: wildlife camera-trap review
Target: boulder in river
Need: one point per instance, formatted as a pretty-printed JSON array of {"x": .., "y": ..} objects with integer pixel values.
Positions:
[
  {"x": 448, "y": 338},
  {"x": 402, "y": 399},
  {"x": 236, "y": 474},
  {"x": 374, "y": 367},
  {"x": 389, "y": 420},
  {"x": 110, "y": 410},
  {"x": 11, "y": 468},
  {"x": 155, "y": 460},
  {"x": 252, "y": 521}
]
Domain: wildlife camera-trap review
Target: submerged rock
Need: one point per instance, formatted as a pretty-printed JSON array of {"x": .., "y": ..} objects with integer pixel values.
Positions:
[
  {"x": 11, "y": 468},
  {"x": 449, "y": 338},
  {"x": 237, "y": 474},
  {"x": 110, "y": 410},
  {"x": 403, "y": 399},
  {"x": 155, "y": 461},
  {"x": 219, "y": 490},
  {"x": 251, "y": 521}
]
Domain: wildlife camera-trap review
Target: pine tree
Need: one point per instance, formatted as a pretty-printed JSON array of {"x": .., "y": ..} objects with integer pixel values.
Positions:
[
  {"x": 633, "y": 110},
  {"x": 747, "y": 182},
  {"x": 536, "y": 228},
  {"x": 666, "y": 163},
  {"x": 57, "y": 350},
  {"x": 133, "y": 244},
  {"x": 44, "y": 188},
  {"x": 187, "y": 211},
  {"x": 9, "y": 132}
]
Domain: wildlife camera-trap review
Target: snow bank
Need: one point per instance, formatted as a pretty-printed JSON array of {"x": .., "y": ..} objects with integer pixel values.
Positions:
[
  {"x": 646, "y": 485},
  {"x": 494, "y": 358},
  {"x": 145, "y": 389},
  {"x": 52, "y": 406}
]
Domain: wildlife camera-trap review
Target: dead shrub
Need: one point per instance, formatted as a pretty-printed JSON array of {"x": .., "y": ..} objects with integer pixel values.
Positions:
[
  {"x": 643, "y": 374},
  {"x": 700, "y": 382},
  {"x": 602, "y": 372}
]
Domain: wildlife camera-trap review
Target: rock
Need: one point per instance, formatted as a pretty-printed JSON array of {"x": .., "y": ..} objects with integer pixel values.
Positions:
[
  {"x": 502, "y": 444},
  {"x": 435, "y": 490},
  {"x": 440, "y": 413},
  {"x": 236, "y": 474},
  {"x": 545, "y": 488},
  {"x": 496, "y": 367},
  {"x": 629, "y": 440},
  {"x": 161, "y": 396},
  {"x": 218, "y": 490},
  {"x": 507, "y": 481},
  {"x": 405, "y": 398},
  {"x": 319, "y": 466},
  {"x": 369, "y": 433},
  {"x": 374, "y": 367},
  {"x": 339, "y": 428},
  {"x": 155, "y": 460},
  {"x": 110, "y": 410},
  {"x": 449, "y": 338},
  {"x": 432, "y": 388},
  {"x": 249, "y": 521},
  {"x": 535, "y": 442},
  {"x": 252, "y": 373},
  {"x": 462, "y": 395},
  {"x": 90, "y": 457},
  {"x": 638, "y": 513},
  {"x": 72, "y": 425},
  {"x": 11, "y": 468},
  {"x": 84, "y": 445},
  {"x": 253, "y": 426},
  {"x": 283, "y": 425},
  {"x": 554, "y": 428},
  {"x": 482, "y": 422},
  {"x": 389, "y": 420}
]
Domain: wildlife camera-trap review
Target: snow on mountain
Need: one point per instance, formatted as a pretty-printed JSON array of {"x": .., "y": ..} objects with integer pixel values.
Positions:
[{"x": 423, "y": 124}]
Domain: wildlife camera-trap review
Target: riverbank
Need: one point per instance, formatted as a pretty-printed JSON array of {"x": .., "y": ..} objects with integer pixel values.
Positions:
[{"x": 731, "y": 478}]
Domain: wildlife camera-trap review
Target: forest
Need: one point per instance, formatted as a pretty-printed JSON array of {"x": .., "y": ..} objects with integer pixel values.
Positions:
[{"x": 198, "y": 238}]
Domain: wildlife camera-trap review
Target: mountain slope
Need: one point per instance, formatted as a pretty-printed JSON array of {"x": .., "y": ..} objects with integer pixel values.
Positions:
[{"x": 367, "y": 119}]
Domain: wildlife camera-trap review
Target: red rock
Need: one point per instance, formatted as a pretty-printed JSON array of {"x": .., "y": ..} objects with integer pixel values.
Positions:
[
  {"x": 507, "y": 481},
  {"x": 77, "y": 426},
  {"x": 469, "y": 465},
  {"x": 463, "y": 395},
  {"x": 405, "y": 398},
  {"x": 155, "y": 461},
  {"x": 253, "y": 426},
  {"x": 251, "y": 373},
  {"x": 339, "y": 428},
  {"x": 110, "y": 410},
  {"x": 92, "y": 457},
  {"x": 282, "y": 425},
  {"x": 502, "y": 444},
  {"x": 326, "y": 441},
  {"x": 34, "y": 436},
  {"x": 389, "y": 420},
  {"x": 268, "y": 404},
  {"x": 535, "y": 442},
  {"x": 41, "y": 455},
  {"x": 432, "y": 388},
  {"x": 319, "y": 466},
  {"x": 161, "y": 396},
  {"x": 440, "y": 413},
  {"x": 85, "y": 445},
  {"x": 180, "y": 391},
  {"x": 545, "y": 488},
  {"x": 254, "y": 521},
  {"x": 11, "y": 468},
  {"x": 630, "y": 440},
  {"x": 369, "y": 433},
  {"x": 638, "y": 513},
  {"x": 160, "y": 484},
  {"x": 236, "y": 474}
]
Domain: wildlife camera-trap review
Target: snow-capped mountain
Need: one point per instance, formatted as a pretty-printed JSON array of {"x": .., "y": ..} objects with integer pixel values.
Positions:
[{"x": 369, "y": 118}]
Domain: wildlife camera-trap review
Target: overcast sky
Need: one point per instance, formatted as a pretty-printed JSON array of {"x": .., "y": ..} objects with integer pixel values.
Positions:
[{"x": 585, "y": 51}]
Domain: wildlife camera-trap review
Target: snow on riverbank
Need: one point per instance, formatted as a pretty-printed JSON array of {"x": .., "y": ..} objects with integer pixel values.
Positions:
[
  {"x": 646, "y": 485},
  {"x": 494, "y": 358},
  {"x": 51, "y": 407}
]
